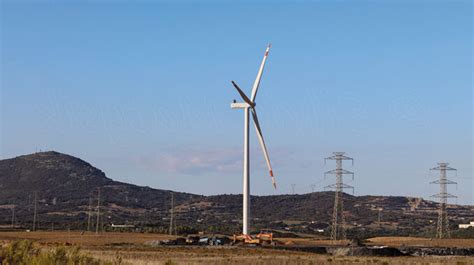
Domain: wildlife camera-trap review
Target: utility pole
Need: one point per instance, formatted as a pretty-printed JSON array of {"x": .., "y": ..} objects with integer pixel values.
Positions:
[
  {"x": 172, "y": 221},
  {"x": 338, "y": 231},
  {"x": 98, "y": 212},
  {"x": 379, "y": 217},
  {"x": 13, "y": 216},
  {"x": 293, "y": 188},
  {"x": 35, "y": 212},
  {"x": 89, "y": 214},
  {"x": 442, "y": 226}
]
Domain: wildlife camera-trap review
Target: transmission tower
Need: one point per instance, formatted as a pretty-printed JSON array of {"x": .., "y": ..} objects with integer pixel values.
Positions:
[
  {"x": 442, "y": 227},
  {"x": 338, "y": 223},
  {"x": 293, "y": 188}
]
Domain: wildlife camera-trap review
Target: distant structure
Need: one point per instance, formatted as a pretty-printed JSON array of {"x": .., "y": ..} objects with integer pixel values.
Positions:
[
  {"x": 89, "y": 214},
  {"x": 172, "y": 221},
  {"x": 13, "y": 216},
  {"x": 293, "y": 188},
  {"x": 379, "y": 216},
  {"x": 98, "y": 212},
  {"x": 35, "y": 211},
  {"x": 313, "y": 186},
  {"x": 338, "y": 231},
  {"x": 442, "y": 227},
  {"x": 465, "y": 226},
  {"x": 122, "y": 226}
]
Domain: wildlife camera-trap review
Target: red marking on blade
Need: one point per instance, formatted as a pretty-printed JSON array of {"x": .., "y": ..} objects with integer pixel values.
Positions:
[
  {"x": 271, "y": 173},
  {"x": 266, "y": 53}
]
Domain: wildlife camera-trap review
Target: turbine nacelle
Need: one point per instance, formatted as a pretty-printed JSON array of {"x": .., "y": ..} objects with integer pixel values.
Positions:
[{"x": 241, "y": 105}]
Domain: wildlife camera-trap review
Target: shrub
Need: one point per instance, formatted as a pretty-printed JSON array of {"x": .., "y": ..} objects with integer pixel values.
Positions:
[
  {"x": 24, "y": 252},
  {"x": 18, "y": 252},
  {"x": 169, "y": 262}
]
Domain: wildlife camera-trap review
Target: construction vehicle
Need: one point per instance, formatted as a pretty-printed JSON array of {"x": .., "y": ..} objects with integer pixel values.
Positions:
[
  {"x": 192, "y": 240},
  {"x": 211, "y": 240},
  {"x": 262, "y": 238}
]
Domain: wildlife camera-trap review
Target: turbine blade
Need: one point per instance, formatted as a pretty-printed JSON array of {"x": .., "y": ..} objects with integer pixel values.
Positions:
[
  {"x": 242, "y": 94},
  {"x": 259, "y": 74},
  {"x": 262, "y": 144}
]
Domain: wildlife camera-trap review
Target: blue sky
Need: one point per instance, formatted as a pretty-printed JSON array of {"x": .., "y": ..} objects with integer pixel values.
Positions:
[{"x": 142, "y": 90}]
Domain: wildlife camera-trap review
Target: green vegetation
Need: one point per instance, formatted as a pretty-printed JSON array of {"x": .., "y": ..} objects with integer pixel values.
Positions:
[
  {"x": 455, "y": 233},
  {"x": 25, "y": 252},
  {"x": 463, "y": 233}
]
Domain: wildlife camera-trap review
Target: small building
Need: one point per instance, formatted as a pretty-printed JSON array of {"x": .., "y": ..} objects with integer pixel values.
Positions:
[
  {"x": 464, "y": 226},
  {"x": 122, "y": 226}
]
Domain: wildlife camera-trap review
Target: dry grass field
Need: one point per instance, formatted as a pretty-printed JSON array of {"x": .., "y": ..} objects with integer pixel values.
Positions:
[
  {"x": 82, "y": 239},
  {"x": 234, "y": 256},
  {"x": 132, "y": 250}
]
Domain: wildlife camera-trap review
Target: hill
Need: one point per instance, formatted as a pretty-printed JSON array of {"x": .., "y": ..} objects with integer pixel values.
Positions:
[{"x": 65, "y": 186}]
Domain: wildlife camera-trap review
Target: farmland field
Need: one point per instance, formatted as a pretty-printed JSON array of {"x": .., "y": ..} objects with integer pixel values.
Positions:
[{"x": 132, "y": 248}]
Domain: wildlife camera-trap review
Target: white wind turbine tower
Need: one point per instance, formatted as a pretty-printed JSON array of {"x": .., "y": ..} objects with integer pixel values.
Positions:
[{"x": 249, "y": 105}]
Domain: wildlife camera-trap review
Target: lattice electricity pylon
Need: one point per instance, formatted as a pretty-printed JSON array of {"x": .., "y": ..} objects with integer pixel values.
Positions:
[
  {"x": 338, "y": 223},
  {"x": 442, "y": 226}
]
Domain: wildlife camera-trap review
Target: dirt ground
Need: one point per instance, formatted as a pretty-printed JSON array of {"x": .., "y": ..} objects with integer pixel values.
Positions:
[
  {"x": 131, "y": 248},
  {"x": 421, "y": 242}
]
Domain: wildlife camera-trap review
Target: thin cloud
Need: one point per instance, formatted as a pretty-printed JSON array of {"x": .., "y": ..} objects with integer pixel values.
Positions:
[{"x": 194, "y": 161}]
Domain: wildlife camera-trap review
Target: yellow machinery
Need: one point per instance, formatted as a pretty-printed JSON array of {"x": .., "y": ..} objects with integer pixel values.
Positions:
[{"x": 263, "y": 238}]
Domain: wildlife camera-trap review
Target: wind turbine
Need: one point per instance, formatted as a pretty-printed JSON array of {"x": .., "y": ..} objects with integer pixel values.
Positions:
[{"x": 249, "y": 106}]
